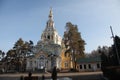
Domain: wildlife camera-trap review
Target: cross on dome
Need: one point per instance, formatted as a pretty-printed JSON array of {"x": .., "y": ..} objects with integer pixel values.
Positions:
[{"x": 51, "y": 13}]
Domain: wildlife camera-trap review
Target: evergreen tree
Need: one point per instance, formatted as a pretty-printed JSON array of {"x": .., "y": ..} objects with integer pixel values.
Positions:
[
  {"x": 2, "y": 54},
  {"x": 19, "y": 53},
  {"x": 73, "y": 42},
  {"x": 117, "y": 48}
]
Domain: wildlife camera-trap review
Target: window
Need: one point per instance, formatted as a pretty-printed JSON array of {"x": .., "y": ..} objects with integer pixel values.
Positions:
[
  {"x": 52, "y": 37},
  {"x": 30, "y": 63},
  {"x": 84, "y": 66},
  {"x": 41, "y": 64},
  {"x": 45, "y": 37},
  {"x": 98, "y": 65},
  {"x": 66, "y": 55},
  {"x": 80, "y": 66},
  {"x": 48, "y": 36},
  {"x": 35, "y": 62},
  {"x": 89, "y": 65},
  {"x": 66, "y": 64}
]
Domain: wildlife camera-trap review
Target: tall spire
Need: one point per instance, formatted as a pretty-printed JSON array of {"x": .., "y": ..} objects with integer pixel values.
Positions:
[
  {"x": 51, "y": 13},
  {"x": 50, "y": 22}
]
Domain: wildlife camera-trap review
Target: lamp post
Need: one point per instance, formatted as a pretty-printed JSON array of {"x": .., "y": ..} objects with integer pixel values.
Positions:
[{"x": 115, "y": 46}]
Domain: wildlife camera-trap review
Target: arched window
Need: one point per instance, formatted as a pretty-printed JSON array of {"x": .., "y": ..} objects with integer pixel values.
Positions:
[
  {"x": 42, "y": 57},
  {"x": 66, "y": 64},
  {"x": 80, "y": 66},
  {"x": 84, "y": 66},
  {"x": 31, "y": 63},
  {"x": 98, "y": 65},
  {"x": 44, "y": 37},
  {"x": 52, "y": 37},
  {"x": 41, "y": 61},
  {"x": 89, "y": 65},
  {"x": 48, "y": 36}
]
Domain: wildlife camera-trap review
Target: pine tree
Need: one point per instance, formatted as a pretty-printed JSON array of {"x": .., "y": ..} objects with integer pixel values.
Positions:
[
  {"x": 73, "y": 42},
  {"x": 19, "y": 53}
]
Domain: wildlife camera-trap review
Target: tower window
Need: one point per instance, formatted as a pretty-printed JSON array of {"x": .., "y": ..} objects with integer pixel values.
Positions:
[
  {"x": 52, "y": 37},
  {"x": 48, "y": 36},
  {"x": 45, "y": 37}
]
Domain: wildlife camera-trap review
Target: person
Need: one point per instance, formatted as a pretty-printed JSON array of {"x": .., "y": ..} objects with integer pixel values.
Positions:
[
  {"x": 29, "y": 76},
  {"x": 54, "y": 74},
  {"x": 21, "y": 78},
  {"x": 3, "y": 70},
  {"x": 43, "y": 77}
]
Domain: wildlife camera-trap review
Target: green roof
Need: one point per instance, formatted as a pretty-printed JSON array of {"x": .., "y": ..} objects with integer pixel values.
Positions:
[{"x": 89, "y": 60}]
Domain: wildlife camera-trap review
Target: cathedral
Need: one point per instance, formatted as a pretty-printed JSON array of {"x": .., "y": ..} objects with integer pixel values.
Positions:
[{"x": 47, "y": 52}]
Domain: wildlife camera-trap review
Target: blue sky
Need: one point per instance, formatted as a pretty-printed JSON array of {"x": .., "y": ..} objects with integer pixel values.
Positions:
[{"x": 27, "y": 19}]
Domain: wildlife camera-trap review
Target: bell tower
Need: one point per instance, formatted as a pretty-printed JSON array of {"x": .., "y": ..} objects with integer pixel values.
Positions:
[{"x": 50, "y": 34}]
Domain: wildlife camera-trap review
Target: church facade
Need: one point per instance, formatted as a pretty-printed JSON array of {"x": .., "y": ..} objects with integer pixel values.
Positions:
[{"x": 47, "y": 52}]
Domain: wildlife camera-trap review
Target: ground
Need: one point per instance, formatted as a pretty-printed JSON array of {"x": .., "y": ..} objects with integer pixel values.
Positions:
[{"x": 73, "y": 76}]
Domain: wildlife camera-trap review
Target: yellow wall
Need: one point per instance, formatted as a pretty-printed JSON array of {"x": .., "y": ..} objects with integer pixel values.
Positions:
[{"x": 65, "y": 60}]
